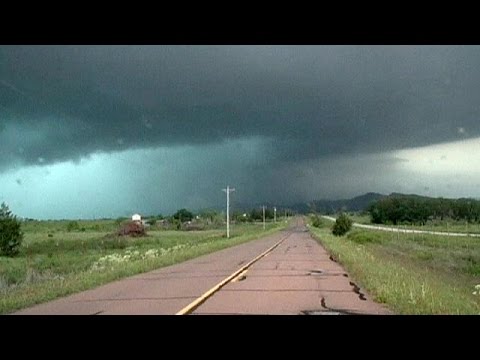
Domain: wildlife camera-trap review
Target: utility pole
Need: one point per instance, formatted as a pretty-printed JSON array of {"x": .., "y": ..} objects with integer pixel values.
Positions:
[
  {"x": 274, "y": 214},
  {"x": 263, "y": 217},
  {"x": 228, "y": 190}
]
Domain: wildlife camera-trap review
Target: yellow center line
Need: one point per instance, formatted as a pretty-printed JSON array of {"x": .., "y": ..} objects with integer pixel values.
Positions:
[
  {"x": 196, "y": 303},
  {"x": 239, "y": 276}
]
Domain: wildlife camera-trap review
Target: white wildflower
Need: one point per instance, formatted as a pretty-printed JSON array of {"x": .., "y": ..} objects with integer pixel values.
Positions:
[{"x": 150, "y": 253}]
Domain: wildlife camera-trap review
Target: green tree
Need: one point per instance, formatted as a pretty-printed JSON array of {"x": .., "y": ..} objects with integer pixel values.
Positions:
[
  {"x": 10, "y": 234},
  {"x": 210, "y": 215},
  {"x": 269, "y": 213},
  {"x": 256, "y": 214},
  {"x": 183, "y": 215},
  {"x": 342, "y": 225}
]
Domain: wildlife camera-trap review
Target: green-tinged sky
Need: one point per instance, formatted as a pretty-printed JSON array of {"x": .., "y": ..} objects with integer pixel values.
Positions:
[{"x": 104, "y": 131}]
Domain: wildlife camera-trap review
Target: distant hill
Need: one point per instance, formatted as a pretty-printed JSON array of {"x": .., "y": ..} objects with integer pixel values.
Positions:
[{"x": 358, "y": 203}]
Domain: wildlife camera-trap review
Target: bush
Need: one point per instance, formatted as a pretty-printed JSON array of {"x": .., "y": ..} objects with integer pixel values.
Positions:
[
  {"x": 132, "y": 228},
  {"x": 72, "y": 226},
  {"x": 343, "y": 224},
  {"x": 316, "y": 221},
  {"x": 10, "y": 235}
]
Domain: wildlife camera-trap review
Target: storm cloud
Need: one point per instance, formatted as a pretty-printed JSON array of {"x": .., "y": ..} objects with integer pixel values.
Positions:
[{"x": 302, "y": 105}]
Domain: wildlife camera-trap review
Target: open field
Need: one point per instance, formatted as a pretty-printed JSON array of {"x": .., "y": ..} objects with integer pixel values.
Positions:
[
  {"x": 420, "y": 274},
  {"x": 54, "y": 262}
]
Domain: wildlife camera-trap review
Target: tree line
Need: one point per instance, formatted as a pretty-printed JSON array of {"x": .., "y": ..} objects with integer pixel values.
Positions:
[
  {"x": 215, "y": 216},
  {"x": 415, "y": 209}
]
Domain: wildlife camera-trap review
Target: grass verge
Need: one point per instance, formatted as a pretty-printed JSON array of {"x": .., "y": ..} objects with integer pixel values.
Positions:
[
  {"x": 447, "y": 226},
  {"x": 411, "y": 275},
  {"x": 50, "y": 268}
]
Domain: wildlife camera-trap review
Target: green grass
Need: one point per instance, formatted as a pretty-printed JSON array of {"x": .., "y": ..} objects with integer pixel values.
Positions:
[
  {"x": 50, "y": 267},
  {"x": 55, "y": 226},
  {"x": 431, "y": 225},
  {"x": 360, "y": 219},
  {"x": 427, "y": 274}
]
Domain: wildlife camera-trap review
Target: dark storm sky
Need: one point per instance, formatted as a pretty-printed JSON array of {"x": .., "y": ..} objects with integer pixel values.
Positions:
[{"x": 281, "y": 123}]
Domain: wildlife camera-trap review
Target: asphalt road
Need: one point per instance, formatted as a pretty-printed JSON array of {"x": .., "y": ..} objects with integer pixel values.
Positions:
[{"x": 296, "y": 277}]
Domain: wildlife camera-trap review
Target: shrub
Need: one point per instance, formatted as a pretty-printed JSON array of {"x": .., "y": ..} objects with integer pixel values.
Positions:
[
  {"x": 343, "y": 224},
  {"x": 316, "y": 221},
  {"x": 72, "y": 226},
  {"x": 10, "y": 235},
  {"x": 175, "y": 224},
  {"x": 132, "y": 229}
]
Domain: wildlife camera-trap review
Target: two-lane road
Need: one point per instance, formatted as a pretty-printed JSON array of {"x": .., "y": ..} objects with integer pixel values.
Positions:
[{"x": 296, "y": 276}]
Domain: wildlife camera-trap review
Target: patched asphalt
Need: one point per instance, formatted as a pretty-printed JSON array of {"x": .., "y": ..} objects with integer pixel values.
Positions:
[{"x": 297, "y": 277}]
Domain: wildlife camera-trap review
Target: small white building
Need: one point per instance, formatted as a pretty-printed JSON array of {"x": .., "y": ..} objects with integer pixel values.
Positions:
[{"x": 136, "y": 217}]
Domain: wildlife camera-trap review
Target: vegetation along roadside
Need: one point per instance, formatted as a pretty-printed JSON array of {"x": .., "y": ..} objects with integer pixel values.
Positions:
[{"x": 411, "y": 274}]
